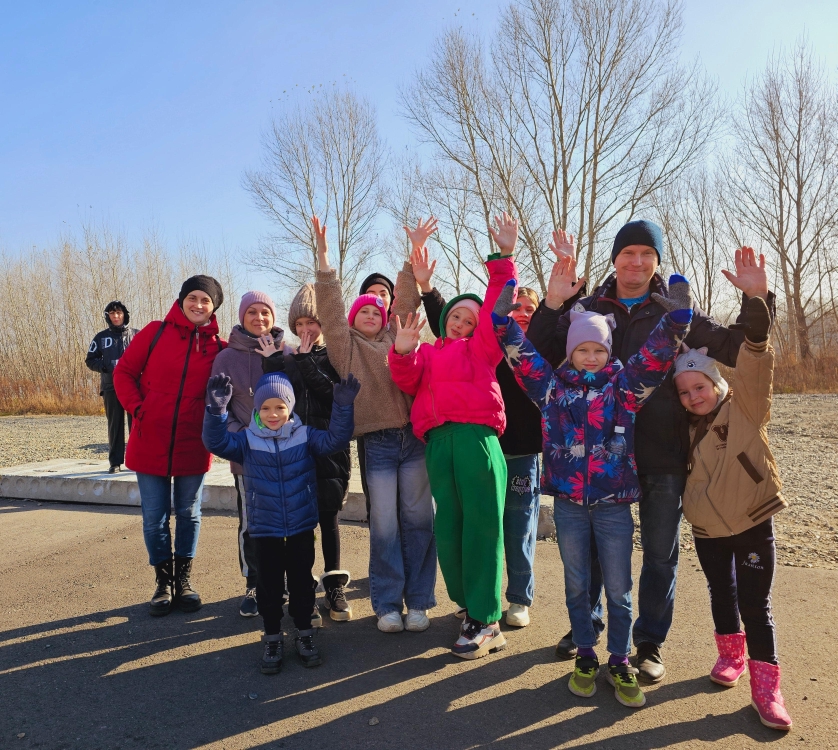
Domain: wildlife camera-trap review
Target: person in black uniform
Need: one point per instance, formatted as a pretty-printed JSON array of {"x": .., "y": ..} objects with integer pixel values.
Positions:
[{"x": 105, "y": 351}]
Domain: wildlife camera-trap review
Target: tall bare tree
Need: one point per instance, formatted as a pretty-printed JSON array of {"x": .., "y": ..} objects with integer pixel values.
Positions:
[{"x": 325, "y": 158}]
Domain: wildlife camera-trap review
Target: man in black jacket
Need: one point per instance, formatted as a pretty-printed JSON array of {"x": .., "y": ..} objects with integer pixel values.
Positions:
[
  {"x": 105, "y": 351},
  {"x": 662, "y": 434}
]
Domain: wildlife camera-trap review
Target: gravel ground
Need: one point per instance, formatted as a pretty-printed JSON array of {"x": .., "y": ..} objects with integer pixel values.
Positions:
[{"x": 804, "y": 437}]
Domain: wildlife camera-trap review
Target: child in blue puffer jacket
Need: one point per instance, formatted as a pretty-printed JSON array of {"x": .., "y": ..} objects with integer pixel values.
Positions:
[
  {"x": 280, "y": 483},
  {"x": 588, "y": 406}
]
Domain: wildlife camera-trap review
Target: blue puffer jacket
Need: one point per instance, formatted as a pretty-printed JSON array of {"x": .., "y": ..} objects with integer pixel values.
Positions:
[{"x": 279, "y": 475}]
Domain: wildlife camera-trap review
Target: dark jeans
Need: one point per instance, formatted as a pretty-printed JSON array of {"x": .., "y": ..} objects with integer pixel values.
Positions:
[
  {"x": 276, "y": 558},
  {"x": 330, "y": 539},
  {"x": 740, "y": 572},
  {"x": 247, "y": 550},
  {"x": 115, "y": 415}
]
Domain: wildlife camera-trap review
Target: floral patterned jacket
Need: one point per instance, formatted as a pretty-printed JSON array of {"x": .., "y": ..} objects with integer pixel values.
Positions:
[{"x": 587, "y": 460}]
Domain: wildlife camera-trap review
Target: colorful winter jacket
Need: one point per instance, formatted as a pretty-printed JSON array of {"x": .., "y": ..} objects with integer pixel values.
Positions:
[
  {"x": 455, "y": 381},
  {"x": 585, "y": 460},
  {"x": 734, "y": 483},
  {"x": 279, "y": 476}
]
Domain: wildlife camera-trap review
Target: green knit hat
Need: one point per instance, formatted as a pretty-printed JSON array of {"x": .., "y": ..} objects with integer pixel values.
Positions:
[{"x": 451, "y": 305}]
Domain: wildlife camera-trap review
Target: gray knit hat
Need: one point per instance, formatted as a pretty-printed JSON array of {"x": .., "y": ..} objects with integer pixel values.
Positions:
[
  {"x": 304, "y": 305},
  {"x": 274, "y": 385},
  {"x": 696, "y": 360}
]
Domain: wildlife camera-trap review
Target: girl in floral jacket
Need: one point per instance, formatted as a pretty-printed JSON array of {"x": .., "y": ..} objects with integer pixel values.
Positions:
[{"x": 588, "y": 406}]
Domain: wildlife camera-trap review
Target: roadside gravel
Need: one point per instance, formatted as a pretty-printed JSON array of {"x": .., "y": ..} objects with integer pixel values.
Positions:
[{"x": 803, "y": 432}]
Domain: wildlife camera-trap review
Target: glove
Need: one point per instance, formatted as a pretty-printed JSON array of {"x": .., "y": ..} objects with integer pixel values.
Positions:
[
  {"x": 219, "y": 393},
  {"x": 757, "y": 321},
  {"x": 679, "y": 303},
  {"x": 347, "y": 390},
  {"x": 504, "y": 305}
]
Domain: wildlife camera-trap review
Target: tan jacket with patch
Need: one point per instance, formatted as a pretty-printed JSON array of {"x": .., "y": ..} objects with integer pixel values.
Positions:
[{"x": 734, "y": 484}]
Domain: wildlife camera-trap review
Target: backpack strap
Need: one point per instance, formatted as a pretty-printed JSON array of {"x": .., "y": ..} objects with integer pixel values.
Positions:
[{"x": 154, "y": 343}]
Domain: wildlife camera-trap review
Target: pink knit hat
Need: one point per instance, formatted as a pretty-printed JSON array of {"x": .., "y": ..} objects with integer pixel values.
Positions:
[
  {"x": 368, "y": 299},
  {"x": 469, "y": 304},
  {"x": 251, "y": 298},
  {"x": 589, "y": 326}
]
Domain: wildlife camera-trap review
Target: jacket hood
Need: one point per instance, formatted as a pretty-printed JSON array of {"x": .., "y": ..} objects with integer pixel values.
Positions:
[
  {"x": 585, "y": 379},
  {"x": 452, "y": 303},
  {"x": 242, "y": 341},
  {"x": 283, "y": 433},
  {"x": 178, "y": 318},
  {"x": 114, "y": 305}
]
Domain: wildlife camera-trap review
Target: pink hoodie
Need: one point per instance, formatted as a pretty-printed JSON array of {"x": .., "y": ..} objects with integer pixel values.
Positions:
[{"x": 455, "y": 381}]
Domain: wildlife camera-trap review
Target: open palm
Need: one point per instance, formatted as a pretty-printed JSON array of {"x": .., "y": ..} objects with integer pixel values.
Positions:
[{"x": 751, "y": 277}]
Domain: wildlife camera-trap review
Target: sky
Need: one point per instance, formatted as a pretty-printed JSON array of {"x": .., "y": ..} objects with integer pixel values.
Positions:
[{"x": 145, "y": 115}]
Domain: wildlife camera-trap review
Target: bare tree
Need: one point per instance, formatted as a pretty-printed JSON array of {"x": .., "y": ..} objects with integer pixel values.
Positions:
[{"x": 325, "y": 158}]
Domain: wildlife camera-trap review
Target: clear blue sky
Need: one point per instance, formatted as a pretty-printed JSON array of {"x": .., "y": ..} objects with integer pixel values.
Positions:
[{"x": 146, "y": 113}]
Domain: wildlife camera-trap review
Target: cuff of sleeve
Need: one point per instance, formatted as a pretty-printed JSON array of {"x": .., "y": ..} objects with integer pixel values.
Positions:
[
  {"x": 327, "y": 276},
  {"x": 757, "y": 346},
  {"x": 682, "y": 317}
]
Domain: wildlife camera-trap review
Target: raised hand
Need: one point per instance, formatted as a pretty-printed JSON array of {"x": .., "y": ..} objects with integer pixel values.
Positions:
[
  {"x": 322, "y": 245},
  {"x": 419, "y": 236},
  {"x": 267, "y": 345},
  {"x": 407, "y": 338},
  {"x": 563, "y": 283},
  {"x": 219, "y": 393},
  {"x": 679, "y": 301},
  {"x": 306, "y": 342},
  {"x": 750, "y": 277},
  {"x": 506, "y": 234},
  {"x": 505, "y": 305},
  {"x": 346, "y": 391},
  {"x": 563, "y": 245},
  {"x": 422, "y": 272}
]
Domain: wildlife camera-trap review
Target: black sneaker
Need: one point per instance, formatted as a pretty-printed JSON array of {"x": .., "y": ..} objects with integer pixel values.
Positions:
[
  {"x": 649, "y": 663},
  {"x": 114, "y": 469},
  {"x": 566, "y": 649},
  {"x": 161, "y": 601},
  {"x": 272, "y": 658},
  {"x": 337, "y": 605},
  {"x": 306, "y": 650},
  {"x": 249, "y": 607},
  {"x": 186, "y": 597}
]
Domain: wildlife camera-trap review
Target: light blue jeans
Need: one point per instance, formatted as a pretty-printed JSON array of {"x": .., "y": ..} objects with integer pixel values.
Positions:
[
  {"x": 402, "y": 546},
  {"x": 156, "y": 496},
  {"x": 520, "y": 527},
  {"x": 612, "y": 527}
]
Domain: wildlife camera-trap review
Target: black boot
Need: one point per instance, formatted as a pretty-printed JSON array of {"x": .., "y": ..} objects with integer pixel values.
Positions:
[
  {"x": 186, "y": 597},
  {"x": 335, "y": 600},
  {"x": 272, "y": 658},
  {"x": 306, "y": 650},
  {"x": 161, "y": 602}
]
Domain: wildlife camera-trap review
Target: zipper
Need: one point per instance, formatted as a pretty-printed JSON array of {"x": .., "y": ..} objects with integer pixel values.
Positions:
[
  {"x": 707, "y": 494},
  {"x": 281, "y": 485},
  {"x": 433, "y": 404},
  {"x": 585, "y": 445},
  {"x": 177, "y": 403}
]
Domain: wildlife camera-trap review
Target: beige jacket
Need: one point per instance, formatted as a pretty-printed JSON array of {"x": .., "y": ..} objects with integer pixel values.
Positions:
[
  {"x": 380, "y": 404},
  {"x": 734, "y": 484}
]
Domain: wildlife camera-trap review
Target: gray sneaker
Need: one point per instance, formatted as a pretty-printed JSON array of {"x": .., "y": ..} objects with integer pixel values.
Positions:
[
  {"x": 306, "y": 650},
  {"x": 272, "y": 658}
]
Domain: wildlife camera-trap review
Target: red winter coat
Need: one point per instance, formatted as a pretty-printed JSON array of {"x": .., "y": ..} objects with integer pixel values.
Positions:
[
  {"x": 455, "y": 381},
  {"x": 166, "y": 392}
]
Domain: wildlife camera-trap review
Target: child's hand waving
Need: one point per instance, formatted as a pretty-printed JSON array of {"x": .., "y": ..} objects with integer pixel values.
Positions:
[
  {"x": 505, "y": 305},
  {"x": 422, "y": 271},
  {"x": 419, "y": 236},
  {"x": 563, "y": 283},
  {"x": 506, "y": 235},
  {"x": 751, "y": 277},
  {"x": 219, "y": 393},
  {"x": 679, "y": 302},
  {"x": 407, "y": 338}
]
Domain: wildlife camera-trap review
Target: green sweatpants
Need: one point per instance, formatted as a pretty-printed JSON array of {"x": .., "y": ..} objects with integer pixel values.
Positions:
[{"x": 468, "y": 481}]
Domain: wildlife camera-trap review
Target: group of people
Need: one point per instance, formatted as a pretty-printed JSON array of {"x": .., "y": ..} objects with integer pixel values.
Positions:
[{"x": 599, "y": 400}]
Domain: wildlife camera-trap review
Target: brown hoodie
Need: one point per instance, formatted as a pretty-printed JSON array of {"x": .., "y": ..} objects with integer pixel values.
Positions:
[{"x": 734, "y": 484}]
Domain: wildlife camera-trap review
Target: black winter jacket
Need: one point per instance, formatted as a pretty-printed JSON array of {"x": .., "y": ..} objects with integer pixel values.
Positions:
[
  {"x": 313, "y": 377},
  {"x": 523, "y": 419},
  {"x": 107, "y": 349},
  {"x": 662, "y": 431}
]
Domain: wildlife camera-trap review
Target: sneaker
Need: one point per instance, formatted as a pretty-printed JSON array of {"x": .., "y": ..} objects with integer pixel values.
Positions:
[
  {"x": 626, "y": 689},
  {"x": 391, "y": 623},
  {"x": 461, "y": 613},
  {"x": 316, "y": 619},
  {"x": 566, "y": 648},
  {"x": 249, "y": 607},
  {"x": 272, "y": 658},
  {"x": 306, "y": 650},
  {"x": 335, "y": 602},
  {"x": 477, "y": 640},
  {"x": 583, "y": 680},
  {"x": 518, "y": 616},
  {"x": 416, "y": 621},
  {"x": 649, "y": 663},
  {"x": 115, "y": 470}
]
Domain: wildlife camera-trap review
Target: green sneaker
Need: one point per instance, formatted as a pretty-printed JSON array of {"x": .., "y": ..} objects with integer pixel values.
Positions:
[
  {"x": 626, "y": 689},
  {"x": 583, "y": 680}
]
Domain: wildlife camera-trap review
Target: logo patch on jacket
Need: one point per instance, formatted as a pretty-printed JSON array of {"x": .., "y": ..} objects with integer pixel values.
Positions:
[{"x": 721, "y": 431}]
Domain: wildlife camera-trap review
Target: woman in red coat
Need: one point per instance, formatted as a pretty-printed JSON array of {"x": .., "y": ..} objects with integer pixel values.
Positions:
[{"x": 161, "y": 379}]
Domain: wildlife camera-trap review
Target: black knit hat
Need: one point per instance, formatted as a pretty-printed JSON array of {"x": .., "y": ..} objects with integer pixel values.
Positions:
[
  {"x": 640, "y": 232},
  {"x": 205, "y": 284},
  {"x": 377, "y": 278},
  {"x": 117, "y": 305}
]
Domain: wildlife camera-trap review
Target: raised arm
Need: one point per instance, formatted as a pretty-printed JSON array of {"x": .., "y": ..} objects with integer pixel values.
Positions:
[
  {"x": 549, "y": 324},
  {"x": 219, "y": 440},
  {"x": 319, "y": 382},
  {"x": 434, "y": 303}
]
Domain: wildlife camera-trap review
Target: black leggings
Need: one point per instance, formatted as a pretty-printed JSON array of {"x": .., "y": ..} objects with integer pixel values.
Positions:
[
  {"x": 740, "y": 572},
  {"x": 330, "y": 539},
  {"x": 278, "y": 557}
]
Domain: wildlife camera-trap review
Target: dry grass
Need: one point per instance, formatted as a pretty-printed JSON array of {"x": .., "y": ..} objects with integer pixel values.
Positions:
[
  {"x": 26, "y": 397},
  {"x": 817, "y": 375}
]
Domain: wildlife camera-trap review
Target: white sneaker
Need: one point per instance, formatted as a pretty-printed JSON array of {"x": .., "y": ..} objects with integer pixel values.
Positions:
[
  {"x": 477, "y": 640},
  {"x": 391, "y": 623},
  {"x": 416, "y": 621},
  {"x": 518, "y": 616}
]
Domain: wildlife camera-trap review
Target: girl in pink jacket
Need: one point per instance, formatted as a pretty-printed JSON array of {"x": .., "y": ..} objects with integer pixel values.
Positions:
[{"x": 458, "y": 412}]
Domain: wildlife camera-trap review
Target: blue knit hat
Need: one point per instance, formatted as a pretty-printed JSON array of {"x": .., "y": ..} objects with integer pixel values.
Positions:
[
  {"x": 274, "y": 385},
  {"x": 640, "y": 232}
]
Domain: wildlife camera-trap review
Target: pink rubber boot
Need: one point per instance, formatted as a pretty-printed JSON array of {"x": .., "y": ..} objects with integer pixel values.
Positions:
[
  {"x": 766, "y": 697},
  {"x": 731, "y": 662}
]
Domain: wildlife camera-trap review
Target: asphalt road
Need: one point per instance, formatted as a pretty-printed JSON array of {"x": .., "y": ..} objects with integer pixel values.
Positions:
[{"x": 82, "y": 665}]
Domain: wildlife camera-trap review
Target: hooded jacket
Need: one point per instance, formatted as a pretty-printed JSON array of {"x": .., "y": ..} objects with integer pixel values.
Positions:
[
  {"x": 734, "y": 483},
  {"x": 107, "y": 348},
  {"x": 243, "y": 364},
  {"x": 589, "y": 417},
  {"x": 165, "y": 391},
  {"x": 455, "y": 381},
  {"x": 279, "y": 475}
]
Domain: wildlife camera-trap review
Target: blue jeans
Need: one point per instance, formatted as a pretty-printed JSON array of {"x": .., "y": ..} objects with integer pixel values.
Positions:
[
  {"x": 612, "y": 527},
  {"x": 402, "y": 546},
  {"x": 520, "y": 527},
  {"x": 156, "y": 495},
  {"x": 660, "y": 535}
]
